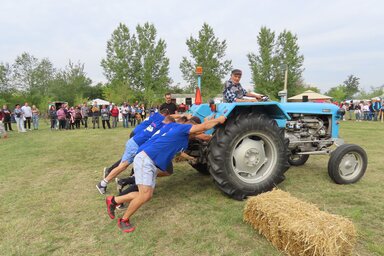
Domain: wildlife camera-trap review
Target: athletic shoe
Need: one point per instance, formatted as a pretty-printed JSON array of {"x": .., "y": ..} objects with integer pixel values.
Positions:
[
  {"x": 110, "y": 207},
  {"x": 101, "y": 189},
  {"x": 119, "y": 187},
  {"x": 122, "y": 207},
  {"x": 105, "y": 172},
  {"x": 125, "y": 226}
]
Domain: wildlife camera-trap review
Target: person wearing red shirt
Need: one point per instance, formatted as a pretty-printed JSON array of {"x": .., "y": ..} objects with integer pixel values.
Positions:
[{"x": 115, "y": 116}]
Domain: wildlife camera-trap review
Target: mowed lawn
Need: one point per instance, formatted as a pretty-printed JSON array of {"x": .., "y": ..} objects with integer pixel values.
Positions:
[{"x": 50, "y": 206}]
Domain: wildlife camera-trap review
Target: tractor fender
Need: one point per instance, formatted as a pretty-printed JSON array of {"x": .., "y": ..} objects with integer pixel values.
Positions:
[{"x": 271, "y": 109}]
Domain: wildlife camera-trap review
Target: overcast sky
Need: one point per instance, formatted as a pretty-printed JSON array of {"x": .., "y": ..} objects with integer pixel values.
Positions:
[{"x": 337, "y": 38}]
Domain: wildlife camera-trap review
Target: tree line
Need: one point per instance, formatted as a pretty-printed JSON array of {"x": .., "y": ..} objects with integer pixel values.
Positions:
[{"x": 136, "y": 67}]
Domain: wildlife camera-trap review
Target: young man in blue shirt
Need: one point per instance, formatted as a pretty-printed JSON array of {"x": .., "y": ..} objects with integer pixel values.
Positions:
[
  {"x": 152, "y": 156},
  {"x": 132, "y": 145}
]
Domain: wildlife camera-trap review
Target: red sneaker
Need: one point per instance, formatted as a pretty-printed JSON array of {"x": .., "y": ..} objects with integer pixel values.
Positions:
[
  {"x": 110, "y": 207},
  {"x": 125, "y": 226}
]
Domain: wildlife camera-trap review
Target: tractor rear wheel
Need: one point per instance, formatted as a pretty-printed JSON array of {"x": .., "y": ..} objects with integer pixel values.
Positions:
[{"x": 248, "y": 155}]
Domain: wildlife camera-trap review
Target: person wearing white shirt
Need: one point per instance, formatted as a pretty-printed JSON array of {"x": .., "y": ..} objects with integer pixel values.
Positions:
[
  {"x": 27, "y": 115},
  {"x": 125, "y": 109}
]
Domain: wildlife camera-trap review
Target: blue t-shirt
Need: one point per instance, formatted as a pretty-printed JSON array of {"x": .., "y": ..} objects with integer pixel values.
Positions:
[
  {"x": 165, "y": 128},
  {"x": 142, "y": 136},
  {"x": 162, "y": 149},
  {"x": 147, "y": 122}
]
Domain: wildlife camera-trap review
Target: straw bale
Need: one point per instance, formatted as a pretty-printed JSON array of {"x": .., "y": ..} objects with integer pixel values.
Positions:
[{"x": 299, "y": 228}]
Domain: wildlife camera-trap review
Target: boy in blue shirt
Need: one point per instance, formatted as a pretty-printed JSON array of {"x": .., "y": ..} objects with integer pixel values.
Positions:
[
  {"x": 151, "y": 156},
  {"x": 132, "y": 145}
]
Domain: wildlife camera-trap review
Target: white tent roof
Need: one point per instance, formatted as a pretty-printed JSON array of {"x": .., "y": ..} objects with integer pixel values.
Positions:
[
  {"x": 99, "y": 102},
  {"x": 311, "y": 96}
]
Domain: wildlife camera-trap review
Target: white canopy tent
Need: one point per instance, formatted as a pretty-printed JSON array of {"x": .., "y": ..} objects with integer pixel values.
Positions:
[
  {"x": 311, "y": 96},
  {"x": 99, "y": 102}
]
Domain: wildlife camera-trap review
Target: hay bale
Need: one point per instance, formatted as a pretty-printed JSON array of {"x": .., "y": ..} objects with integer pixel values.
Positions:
[{"x": 299, "y": 228}]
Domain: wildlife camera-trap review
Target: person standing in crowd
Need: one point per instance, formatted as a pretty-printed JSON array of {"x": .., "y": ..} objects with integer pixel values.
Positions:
[
  {"x": 169, "y": 104},
  {"x": 105, "y": 116},
  {"x": 182, "y": 108},
  {"x": 78, "y": 116},
  {"x": 115, "y": 115},
  {"x": 2, "y": 129},
  {"x": 53, "y": 116},
  {"x": 7, "y": 118},
  {"x": 357, "y": 112},
  {"x": 84, "y": 115},
  {"x": 35, "y": 117},
  {"x": 138, "y": 118},
  {"x": 125, "y": 110},
  {"x": 67, "y": 116},
  {"x": 143, "y": 111},
  {"x": 27, "y": 115},
  {"x": 376, "y": 108},
  {"x": 71, "y": 120},
  {"x": 234, "y": 92},
  {"x": 351, "y": 109},
  {"x": 19, "y": 117},
  {"x": 62, "y": 117},
  {"x": 95, "y": 115},
  {"x": 366, "y": 111},
  {"x": 381, "y": 117},
  {"x": 133, "y": 116},
  {"x": 370, "y": 107}
]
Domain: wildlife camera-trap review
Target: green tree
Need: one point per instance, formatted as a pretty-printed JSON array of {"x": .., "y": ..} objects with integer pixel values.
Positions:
[
  {"x": 32, "y": 77},
  {"x": 208, "y": 52},
  {"x": 136, "y": 64},
  {"x": 118, "y": 92},
  {"x": 23, "y": 72},
  {"x": 337, "y": 93},
  {"x": 5, "y": 78},
  {"x": 120, "y": 51},
  {"x": 263, "y": 66},
  {"x": 288, "y": 53},
  {"x": 309, "y": 87},
  {"x": 94, "y": 91},
  {"x": 70, "y": 83},
  {"x": 150, "y": 64},
  {"x": 351, "y": 86},
  {"x": 274, "y": 56},
  {"x": 372, "y": 93}
]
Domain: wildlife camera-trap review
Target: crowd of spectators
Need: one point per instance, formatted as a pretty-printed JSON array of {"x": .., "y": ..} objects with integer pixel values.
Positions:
[
  {"x": 65, "y": 117},
  {"x": 86, "y": 116},
  {"x": 363, "y": 110}
]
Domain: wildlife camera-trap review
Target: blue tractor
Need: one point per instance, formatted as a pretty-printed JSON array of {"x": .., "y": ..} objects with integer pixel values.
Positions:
[{"x": 252, "y": 150}]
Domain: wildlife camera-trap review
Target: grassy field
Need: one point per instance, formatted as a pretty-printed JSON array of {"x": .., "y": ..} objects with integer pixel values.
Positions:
[{"x": 50, "y": 206}]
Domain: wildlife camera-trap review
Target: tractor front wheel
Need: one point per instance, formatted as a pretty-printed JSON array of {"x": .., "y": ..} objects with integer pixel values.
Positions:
[{"x": 347, "y": 164}]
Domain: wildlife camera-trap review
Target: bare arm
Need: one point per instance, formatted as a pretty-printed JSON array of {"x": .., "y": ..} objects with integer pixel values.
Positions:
[
  {"x": 177, "y": 116},
  {"x": 204, "y": 137},
  {"x": 246, "y": 100},
  {"x": 186, "y": 156},
  {"x": 207, "y": 125},
  {"x": 253, "y": 94}
]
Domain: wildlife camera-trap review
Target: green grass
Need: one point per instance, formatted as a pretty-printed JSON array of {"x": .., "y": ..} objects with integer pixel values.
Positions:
[{"x": 50, "y": 206}]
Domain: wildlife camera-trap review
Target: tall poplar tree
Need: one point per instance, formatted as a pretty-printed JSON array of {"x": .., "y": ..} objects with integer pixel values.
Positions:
[
  {"x": 208, "y": 52},
  {"x": 273, "y": 57}
]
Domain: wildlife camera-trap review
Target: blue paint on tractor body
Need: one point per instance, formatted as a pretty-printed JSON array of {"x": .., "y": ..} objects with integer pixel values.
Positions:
[{"x": 281, "y": 112}]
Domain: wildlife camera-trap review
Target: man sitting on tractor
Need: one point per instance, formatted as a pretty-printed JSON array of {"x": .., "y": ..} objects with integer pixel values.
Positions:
[{"x": 234, "y": 92}]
